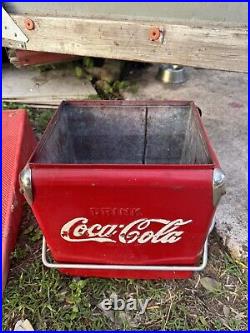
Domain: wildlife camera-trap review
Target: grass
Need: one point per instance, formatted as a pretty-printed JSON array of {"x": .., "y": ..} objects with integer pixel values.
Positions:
[{"x": 52, "y": 301}]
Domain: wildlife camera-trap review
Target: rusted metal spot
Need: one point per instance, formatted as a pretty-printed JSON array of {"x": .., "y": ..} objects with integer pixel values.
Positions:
[
  {"x": 29, "y": 24},
  {"x": 154, "y": 33}
]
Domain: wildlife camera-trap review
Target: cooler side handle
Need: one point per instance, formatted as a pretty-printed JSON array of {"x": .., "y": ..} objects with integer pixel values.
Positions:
[{"x": 130, "y": 267}]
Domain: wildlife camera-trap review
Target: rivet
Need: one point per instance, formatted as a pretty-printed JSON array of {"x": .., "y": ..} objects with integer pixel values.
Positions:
[
  {"x": 154, "y": 34},
  {"x": 29, "y": 24}
]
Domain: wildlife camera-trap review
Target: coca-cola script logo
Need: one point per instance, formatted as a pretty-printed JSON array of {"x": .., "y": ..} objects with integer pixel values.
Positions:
[{"x": 80, "y": 230}]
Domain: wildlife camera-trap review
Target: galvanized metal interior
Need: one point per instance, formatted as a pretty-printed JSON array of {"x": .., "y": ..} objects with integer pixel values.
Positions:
[{"x": 123, "y": 135}]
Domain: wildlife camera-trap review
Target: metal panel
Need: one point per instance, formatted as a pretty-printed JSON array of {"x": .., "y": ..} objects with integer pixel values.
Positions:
[
  {"x": 18, "y": 142},
  {"x": 124, "y": 135},
  {"x": 10, "y": 30},
  {"x": 21, "y": 58}
]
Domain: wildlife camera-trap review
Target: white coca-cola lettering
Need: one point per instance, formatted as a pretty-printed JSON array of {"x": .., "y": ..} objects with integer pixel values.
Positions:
[
  {"x": 78, "y": 230},
  {"x": 127, "y": 236}
]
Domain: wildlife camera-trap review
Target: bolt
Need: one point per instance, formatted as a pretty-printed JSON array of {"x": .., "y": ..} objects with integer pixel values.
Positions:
[
  {"x": 154, "y": 33},
  {"x": 29, "y": 24}
]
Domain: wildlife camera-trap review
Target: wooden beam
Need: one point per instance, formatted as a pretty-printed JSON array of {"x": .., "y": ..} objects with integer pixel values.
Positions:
[{"x": 211, "y": 46}]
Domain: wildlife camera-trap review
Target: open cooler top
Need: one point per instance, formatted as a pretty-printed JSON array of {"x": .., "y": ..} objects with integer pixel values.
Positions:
[{"x": 124, "y": 133}]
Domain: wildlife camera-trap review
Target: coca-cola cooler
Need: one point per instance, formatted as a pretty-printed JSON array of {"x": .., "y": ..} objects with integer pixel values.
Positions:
[{"x": 124, "y": 189}]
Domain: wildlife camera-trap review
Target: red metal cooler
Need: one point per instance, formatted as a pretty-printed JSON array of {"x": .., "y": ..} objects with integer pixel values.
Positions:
[
  {"x": 18, "y": 144},
  {"x": 125, "y": 189}
]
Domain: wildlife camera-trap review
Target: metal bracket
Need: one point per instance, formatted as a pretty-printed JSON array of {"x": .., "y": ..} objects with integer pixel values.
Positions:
[
  {"x": 10, "y": 29},
  {"x": 130, "y": 267},
  {"x": 219, "y": 187},
  {"x": 25, "y": 181}
]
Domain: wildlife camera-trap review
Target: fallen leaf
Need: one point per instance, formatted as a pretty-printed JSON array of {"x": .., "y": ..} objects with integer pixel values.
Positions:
[
  {"x": 203, "y": 321},
  {"x": 240, "y": 316},
  {"x": 23, "y": 325},
  {"x": 29, "y": 229},
  {"x": 210, "y": 284},
  {"x": 226, "y": 311},
  {"x": 241, "y": 263}
]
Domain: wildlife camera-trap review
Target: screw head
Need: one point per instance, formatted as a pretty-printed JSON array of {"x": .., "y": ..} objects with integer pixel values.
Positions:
[
  {"x": 29, "y": 24},
  {"x": 154, "y": 33}
]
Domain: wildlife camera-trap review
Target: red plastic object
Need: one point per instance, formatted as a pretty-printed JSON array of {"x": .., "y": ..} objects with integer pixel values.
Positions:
[
  {"x": 144, "y": 213},
  {"x": 17, "y": 143},
  {"x": 23, "y": 58}
]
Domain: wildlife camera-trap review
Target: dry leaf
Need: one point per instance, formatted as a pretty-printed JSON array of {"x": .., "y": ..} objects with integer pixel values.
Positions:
[
  {"x": 23, "y": 325},
  {"x": 210, "y": 284},
  {"x": 203, "y": 321},
  {"x": 226, "y": 311}
]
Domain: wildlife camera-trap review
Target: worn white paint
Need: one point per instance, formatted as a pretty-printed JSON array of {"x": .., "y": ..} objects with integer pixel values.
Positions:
[{"x": 80, "y": 230}]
